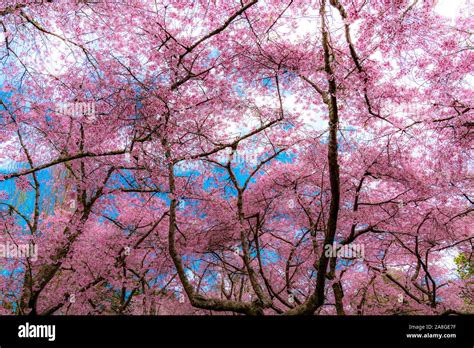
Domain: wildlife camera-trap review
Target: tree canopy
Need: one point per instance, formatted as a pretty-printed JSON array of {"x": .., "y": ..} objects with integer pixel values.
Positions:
[{"x": 178, "y": 157}]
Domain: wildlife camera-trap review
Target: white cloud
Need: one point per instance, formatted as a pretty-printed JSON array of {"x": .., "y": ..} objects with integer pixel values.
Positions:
[{"x": 450, "y": 8}]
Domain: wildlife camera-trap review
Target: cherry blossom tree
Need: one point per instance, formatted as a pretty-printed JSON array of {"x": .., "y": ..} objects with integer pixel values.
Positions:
[{"x": 176, "y": 157}]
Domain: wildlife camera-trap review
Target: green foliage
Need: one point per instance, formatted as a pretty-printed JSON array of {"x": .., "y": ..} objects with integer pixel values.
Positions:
[{"x": 465, "y": 265}]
